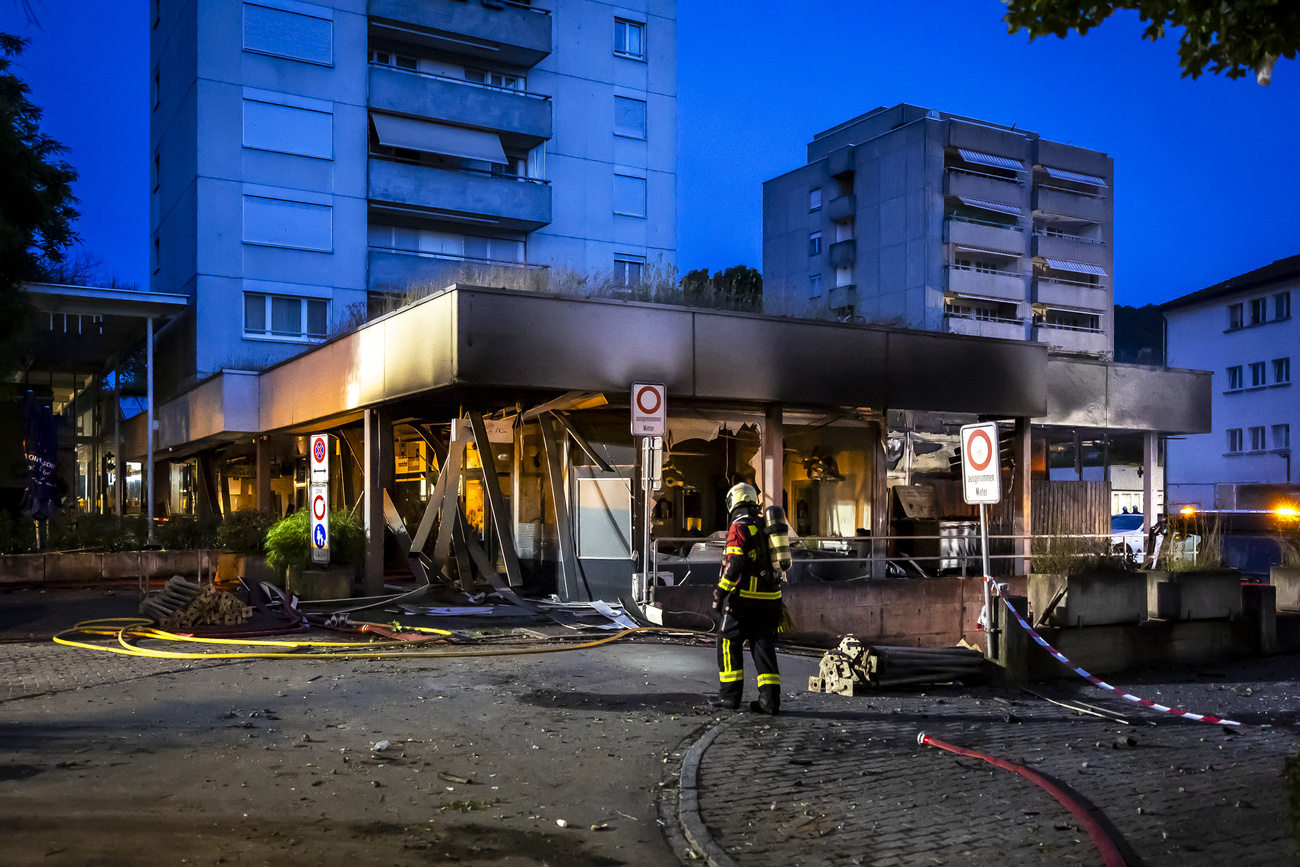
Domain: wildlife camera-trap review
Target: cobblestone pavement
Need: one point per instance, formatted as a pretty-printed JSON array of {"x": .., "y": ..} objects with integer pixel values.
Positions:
[
  {"x": 29, "y": 670},
  {"x": 843, "y": 781}
]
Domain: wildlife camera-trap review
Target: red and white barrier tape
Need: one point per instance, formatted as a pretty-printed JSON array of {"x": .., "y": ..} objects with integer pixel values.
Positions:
[{"x": 1098, "y": 681}]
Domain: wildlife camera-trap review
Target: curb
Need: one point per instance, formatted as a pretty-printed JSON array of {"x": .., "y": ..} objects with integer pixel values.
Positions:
[{"x": 688, "y": 802}]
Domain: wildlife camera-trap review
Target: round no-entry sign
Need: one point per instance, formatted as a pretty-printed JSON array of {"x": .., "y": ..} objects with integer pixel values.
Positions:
[
  {"x": 979, "y": 448},
  {"x": 981, "y": 474},
  {"x": 649, "y": 410},
  {"x": 318, "y": 507}
]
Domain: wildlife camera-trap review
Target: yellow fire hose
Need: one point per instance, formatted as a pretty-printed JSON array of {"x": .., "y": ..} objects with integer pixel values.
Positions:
[{"x": 129, "y": 629}]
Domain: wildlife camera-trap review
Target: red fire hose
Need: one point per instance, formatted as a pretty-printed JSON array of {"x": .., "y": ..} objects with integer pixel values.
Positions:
[{"x": 1110, "y": 853}]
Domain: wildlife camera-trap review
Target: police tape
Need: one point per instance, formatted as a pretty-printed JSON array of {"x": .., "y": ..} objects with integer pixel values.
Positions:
[{"x": 1060, "y": 657}]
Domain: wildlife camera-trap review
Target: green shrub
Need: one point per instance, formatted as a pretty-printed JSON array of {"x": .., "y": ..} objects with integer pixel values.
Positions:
[
  {"x": 183, "y": 533},
  {"x": 74, "y": 532},
  {"x": 244, "y": 531},
  {"x": 17, "y": 535},
  {"x": 288, "y": 542}
]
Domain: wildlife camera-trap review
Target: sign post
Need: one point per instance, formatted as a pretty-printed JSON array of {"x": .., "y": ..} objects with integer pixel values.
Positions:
[
  {"x": 649, "y": 424},
  {"x": 981, "y": 482},
  {"x": 318, "y": 497}
]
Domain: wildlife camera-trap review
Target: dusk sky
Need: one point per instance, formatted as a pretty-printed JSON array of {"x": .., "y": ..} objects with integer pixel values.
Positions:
[{"x": 1206, "y": 174}]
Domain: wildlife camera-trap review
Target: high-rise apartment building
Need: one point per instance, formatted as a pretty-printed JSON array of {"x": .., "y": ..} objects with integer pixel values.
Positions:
[
  {"x": 309, "y": 155},
  {"x": 923, "y": 219}
]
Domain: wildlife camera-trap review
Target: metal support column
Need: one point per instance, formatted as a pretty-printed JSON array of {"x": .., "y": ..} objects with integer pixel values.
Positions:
[
  {"x": 1021, "y": 493},
  {"x": 1150, "y": 466},
  {"x": 148, "y": 478},
  {"x": 773, "y": 447},
  {"x": 879, "y": 470},
  {"x": 378, "y": 472},
  {"x": 264, "y": 474}
]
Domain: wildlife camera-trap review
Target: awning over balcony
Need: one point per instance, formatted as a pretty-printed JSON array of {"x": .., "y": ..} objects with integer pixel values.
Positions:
[
  {"x": 989, "y": 206},
  {"x": 990, "y": 160},
  {"x": 1078, "y": 178},
  {"x": 992, "y": 251},
  {"x": 1076, "y": 267},
  {"x": 437, "y": 138}
]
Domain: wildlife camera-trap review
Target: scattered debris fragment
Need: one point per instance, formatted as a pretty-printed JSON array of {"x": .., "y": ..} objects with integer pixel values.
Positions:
[
  {"x": 184, "y": 603},
  {"x": 453, "y": 778},
  {"x": 855, "y": 664}
]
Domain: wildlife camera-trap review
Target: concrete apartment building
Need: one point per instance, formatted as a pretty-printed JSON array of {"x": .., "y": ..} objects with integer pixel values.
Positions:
[
  {"x": 307, "y": 156},
  {"x": 1242, "y": 331},
  {"x": 923, "y": 219}
]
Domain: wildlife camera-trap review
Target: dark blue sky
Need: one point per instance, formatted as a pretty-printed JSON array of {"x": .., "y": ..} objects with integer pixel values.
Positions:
[{"x": 1206, "y": 175}]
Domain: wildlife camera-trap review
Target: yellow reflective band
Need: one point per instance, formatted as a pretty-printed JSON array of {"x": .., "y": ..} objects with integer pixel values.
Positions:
[
  {"x": 769, "y": 680},
  {"x": 727, "y": 585},
  {"x": 726, "y": 655},
  {"x": 754, "y": 594},
  {"x": 731, "y": 676},
  {"x": 752, "y": 529},
  {"x": 732, "y": 549}
]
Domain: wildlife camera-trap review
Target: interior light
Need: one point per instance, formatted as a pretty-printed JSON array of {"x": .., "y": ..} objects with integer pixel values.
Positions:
[{"x": 1187, "y": 510}]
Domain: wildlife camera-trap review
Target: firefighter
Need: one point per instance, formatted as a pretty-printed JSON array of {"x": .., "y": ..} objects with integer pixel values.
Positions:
[{"x": 748, "y": 596}]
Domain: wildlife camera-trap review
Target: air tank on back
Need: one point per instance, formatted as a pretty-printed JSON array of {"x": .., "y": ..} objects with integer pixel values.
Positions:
[{"x": 778, "y": 538}]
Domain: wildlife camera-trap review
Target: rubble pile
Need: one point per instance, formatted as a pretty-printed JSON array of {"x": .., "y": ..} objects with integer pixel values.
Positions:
[
  {"x": 184, "y": 603},
  {"x": 853, "y": 665}
]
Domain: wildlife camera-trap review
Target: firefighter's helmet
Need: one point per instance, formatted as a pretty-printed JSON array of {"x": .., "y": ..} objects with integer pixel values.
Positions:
[{"x": 741, "y": 494}]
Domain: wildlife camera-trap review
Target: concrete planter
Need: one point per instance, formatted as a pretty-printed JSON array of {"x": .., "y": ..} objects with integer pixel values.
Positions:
[
  {"x": 310, "y": 585},
  {"x": 1091, "y": 599},
  {"x": 1287, "y": 582},
  {"x": 91, "y": 568},
  {"x": 1203, "y": 594}
]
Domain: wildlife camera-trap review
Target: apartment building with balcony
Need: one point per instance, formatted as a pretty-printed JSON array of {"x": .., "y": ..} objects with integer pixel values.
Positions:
[
  {"x": 922, "y": 219},
  {"x": 309, "y": 156},
  {"x": 1242, "y": 331}
]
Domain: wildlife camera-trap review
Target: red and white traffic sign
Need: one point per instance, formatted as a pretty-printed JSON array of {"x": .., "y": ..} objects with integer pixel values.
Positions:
[
  {"x": 318, "y": 459},
  {"x": 649, "y": 410},
  {"x": 319, "y": 497},
  {"x": 981, "y": 475}
]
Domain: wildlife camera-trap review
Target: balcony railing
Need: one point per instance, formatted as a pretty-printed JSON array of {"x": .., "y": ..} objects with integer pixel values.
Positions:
[
  {"x": 1063, "y": 282},
  {"x": 985, "y": 270},
  {"x": 977, "y": 221},
  {"x": 973, "y": 317},
  {"x": 479, "y": 84},
  {"x": 957, "y": 170},
  {"x": 492, "y": 173},
  {"x": 1055, "y": 233},
  {"x": 1087, "y": 194},
  {"x": 1062, "y": 327},
  {"x": 453, "y": 257}
]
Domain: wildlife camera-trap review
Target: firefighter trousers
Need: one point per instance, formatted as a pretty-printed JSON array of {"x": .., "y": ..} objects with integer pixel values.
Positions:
[{"x": 757, "y": 625}]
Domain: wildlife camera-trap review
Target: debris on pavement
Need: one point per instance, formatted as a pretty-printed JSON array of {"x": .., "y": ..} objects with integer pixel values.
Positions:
[{"x": 854, "y": 664}]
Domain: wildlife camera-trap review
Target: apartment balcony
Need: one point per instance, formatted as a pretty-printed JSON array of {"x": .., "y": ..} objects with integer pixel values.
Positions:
[
  {"x": 1072, "y": 296},
  {"x": 987, "y": 236},
  {"x": 1008, "y": 329},
  {"x": 399, "y": 270},
  {"x": 842, "y": 209},
  {"x": 525, "y": 117},
  {"x": 459, "y": 195},
  {"x": 842, "y": 296},
  {"x": 844, "y": 253},
  {"x": 1052, "y": 200},
  {"x": 1093, "y": 342},
  {"x": 975, "y": 185},
  {"x": 1004, "y": 285},
  {"x": 500, "y": 30},
  {"x": 1070, "y": 248}
]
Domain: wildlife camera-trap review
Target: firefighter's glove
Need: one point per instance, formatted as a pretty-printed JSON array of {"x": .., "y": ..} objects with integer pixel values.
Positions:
[{"x": 719, "y": 600}]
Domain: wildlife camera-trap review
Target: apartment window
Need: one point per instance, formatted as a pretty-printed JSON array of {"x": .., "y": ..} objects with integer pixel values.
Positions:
[
  {"x": 1234, "y": 377},
  {"x": 494, "y": 79},
  {"x": 1234, "y": 439},
  {"x": 1281, "y": 436},
  {"x": 1234, "y": 316},
  {"x": 815, "y": 286},
  {"x": 629, "y": 38},
  {"x": 292, "y": 34},
  {"x": 815, "y": 199},
  {"x": 288, "y": 129},
  {"x": 627, "y": 269},
  {"x": 494, "y": 249},
  {"x": 629, "y": 117},
  {"x": 629, "y": 196},
  {"x": 815, "y": 244},
  {"x": 285, "y": 223},
  {"x": 1258, "y": 311},
  {"x": 1281, "y": 370},
  {"x": 1282, "y": 305},
  {"x": 285, "y": 316},
  {"x": 1257, "y": 439},
  {"x": 1257, "y": 374},
  {"x": 392, "y": 58},
  {"x": 977, "y": 265}
]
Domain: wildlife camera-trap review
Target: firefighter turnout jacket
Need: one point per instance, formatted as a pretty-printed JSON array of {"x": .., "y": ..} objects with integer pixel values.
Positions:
[{"x": 746, "y": 563}]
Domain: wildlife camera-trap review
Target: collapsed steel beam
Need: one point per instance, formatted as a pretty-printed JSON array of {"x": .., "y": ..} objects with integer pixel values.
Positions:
[
  {"x": 563, "y": 529},
  {"x": 582, "y": 442},
  {"x": 502, "y": 522}
]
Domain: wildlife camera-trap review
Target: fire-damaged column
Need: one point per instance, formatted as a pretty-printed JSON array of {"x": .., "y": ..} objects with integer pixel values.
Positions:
[
  {"x": 1150, "y": 464},
  {"x": 1021, "y": 493},
  {"x": 879, "y": 469},
  {"x": 773, "y": 451},
  {"x": 264, "y": 474},
  {"x": 378, "y": 472}
]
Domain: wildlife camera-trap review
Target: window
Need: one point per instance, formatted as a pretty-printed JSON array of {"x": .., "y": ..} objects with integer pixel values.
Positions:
[
  {"x": 1257, "y": 374},
  {"x": 815, "y": 199},
  {"x": 1282, "y": 305},
  {"x": 392, "y": 58},
  {"x": 294, "y": 35},
  {"x": 629, "y": 38},
  {"x": 627, "y": 269},
  {"x": 288, "y": 129},
  {"x": 157, "y": 170},
  {"x": 1234, "y": 377},
  {"x": 488, "y": 78},
  {"x": 629, "y": 196},
  {"x": 983, "y": 267},
  {"x": 815, "y": 286},
  {"x": 1257, "y": 439},
  {"x": 431, "y": 242},
  {"x": 1281, "y": 370},
  {"x": 1234, "y": 439},
  {"x": 285, "y": 316},
  {"x": 1234, "y": 316},
  {"x": 157, "y": 89},
  {"x": 1281, "y": 436},
  {"x": 1258, "y": 311},
  {"x": 815, "y": 244},
  {"x": 629, "y": 117},
  {"x": 284, "y": 223}
]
